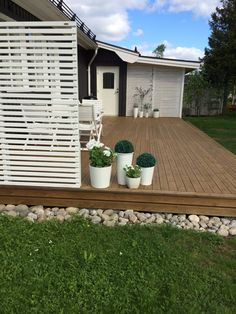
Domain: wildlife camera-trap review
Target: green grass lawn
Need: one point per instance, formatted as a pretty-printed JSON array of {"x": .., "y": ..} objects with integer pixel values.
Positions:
[
  {"x": 220, "y": 128},
  {"x": 76, "y": 267}
]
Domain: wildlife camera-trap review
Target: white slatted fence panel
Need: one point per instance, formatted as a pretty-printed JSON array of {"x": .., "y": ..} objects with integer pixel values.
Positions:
[{"x": 39, "y": 114}]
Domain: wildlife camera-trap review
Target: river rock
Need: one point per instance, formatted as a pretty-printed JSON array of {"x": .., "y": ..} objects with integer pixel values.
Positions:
[
  {"x": 32, "y": 216},
  {"x": 121, "y": 214},
  {"x": 21, "y": 207},
  {"x": 159, "y": 220},
  {"x": 128, "y": 212},
  {"x": 223, "y": 232},
  {"x": 10, "y": 207},
  {"x": 123, "y": 221},
  {"x": 60, "y": 218},
  {"x": 71, "y": 210},
  {"x": 150, "y": 220},
  {"x": 232, "y": 231},
  {"x": 225, "y": 221},
  {"x": 142, "y": 217},
  {"x": 215, "y": 221},
  {"x": 133, "y": 218},
  {"x": 96, "y": 219},
  {"x": 204, "y": 218},
  {"x": 34, "y": 208},
  {"x": 11, "y": 213},
  {"x": 108, "y": 212},
  {"x": 109, "y": 223},
  {"x": 194, "y": 218}
]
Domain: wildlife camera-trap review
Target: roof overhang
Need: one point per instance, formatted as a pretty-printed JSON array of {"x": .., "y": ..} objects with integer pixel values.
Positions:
[
  {"x": 126, "y": 55},
  {"x": 188, "y": 65},
  {"x": 131, "y": 56},
  {"x": 5, "y": 18},
  {"x": 47, "y": 11}
]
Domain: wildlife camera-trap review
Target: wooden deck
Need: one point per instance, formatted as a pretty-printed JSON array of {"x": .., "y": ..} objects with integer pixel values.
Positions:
[{"x": 194, "y": 174}]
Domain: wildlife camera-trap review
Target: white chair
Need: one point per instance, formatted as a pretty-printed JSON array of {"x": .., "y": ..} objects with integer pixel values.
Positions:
[
  {"x": 43, "y": 124},
  {"x": 89, "y": 125},
  {"x": 98, "y": 110}
]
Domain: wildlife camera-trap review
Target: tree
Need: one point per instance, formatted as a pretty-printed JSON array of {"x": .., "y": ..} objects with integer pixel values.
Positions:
[
  {"x": 200, "y": 95},
  {"x": 220, "y": 57},
  {"x": 159, "y": 50},
  {"x": 194, "y": 90}
]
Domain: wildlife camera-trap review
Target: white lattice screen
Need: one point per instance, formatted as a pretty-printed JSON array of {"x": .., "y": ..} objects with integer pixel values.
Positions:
[{"x": 39, "y": 133}]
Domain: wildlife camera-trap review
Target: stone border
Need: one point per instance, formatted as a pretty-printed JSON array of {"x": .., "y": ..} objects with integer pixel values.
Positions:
[{"x": 220, "y": 225}]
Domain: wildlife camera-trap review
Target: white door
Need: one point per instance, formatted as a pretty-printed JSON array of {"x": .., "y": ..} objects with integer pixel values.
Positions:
[{"x": 108, "y": 89}]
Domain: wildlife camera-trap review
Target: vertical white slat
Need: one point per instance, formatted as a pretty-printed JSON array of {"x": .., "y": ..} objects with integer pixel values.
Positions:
[{"x": 39, "y": 112}]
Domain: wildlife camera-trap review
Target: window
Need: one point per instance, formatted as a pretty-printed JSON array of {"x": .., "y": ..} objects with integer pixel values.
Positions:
[{"x": 108, "y": 80}]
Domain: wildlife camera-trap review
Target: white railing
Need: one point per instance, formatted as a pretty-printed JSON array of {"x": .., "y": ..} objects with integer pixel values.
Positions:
[{"x": 39, "y": 134}]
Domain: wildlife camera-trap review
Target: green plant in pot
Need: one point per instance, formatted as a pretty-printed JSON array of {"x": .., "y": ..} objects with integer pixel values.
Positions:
[
  {"x": 100, "y": 164},
  {"x": 146, "y": 162},
  {"x": 125, "y": 151},
  {"x": 141, "y": 93},
  {"x": 133, "y": 176},
  {"x": 156, "y": 113},
  {"x": 147, "y": 107}
]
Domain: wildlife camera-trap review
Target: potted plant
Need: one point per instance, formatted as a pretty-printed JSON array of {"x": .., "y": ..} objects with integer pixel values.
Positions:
[
  {"x": 140, "y": 113},
  {"x": 146, "y": 162},
  {"x": 156, "y": 113},
  {"x": 124, "y": 150},
  {"x": 135, "y": 110},
  {"x": 141, "y": 93},
  {"x": 101, "y": 158},
  {"x": 133, "y": 176},
  {"x": 146, "y": 108}
]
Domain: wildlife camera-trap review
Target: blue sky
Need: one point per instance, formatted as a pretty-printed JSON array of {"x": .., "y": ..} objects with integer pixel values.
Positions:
[{"x": 181, "y": 24}]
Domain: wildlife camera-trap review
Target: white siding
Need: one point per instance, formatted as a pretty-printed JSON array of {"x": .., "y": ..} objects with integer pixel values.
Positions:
[
  {"x": 137, "y": 76},
  {"x": 39, "y": 134},
  {"x": 166, "y": 83}
]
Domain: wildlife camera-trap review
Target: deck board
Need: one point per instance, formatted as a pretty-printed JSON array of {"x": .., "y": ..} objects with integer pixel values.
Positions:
[{"x": 194, "y": 174}]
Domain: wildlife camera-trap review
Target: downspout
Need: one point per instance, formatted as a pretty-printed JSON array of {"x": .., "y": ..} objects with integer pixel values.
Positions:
[{"x": 89, "y": 71}]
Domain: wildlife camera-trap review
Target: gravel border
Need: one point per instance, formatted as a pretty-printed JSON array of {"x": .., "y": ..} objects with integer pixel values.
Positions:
[{"x": 223, "y": 226}]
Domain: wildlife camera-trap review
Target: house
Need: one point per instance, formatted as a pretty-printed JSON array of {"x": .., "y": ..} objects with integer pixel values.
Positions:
[{"x": 109, "y": 72}]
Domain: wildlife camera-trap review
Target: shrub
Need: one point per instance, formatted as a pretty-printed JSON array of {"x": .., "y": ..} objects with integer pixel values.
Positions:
[
  {"x": 155, "y": 109},
  {"x": 124, "y": 146},
  {"x": 146, "y": 160}
]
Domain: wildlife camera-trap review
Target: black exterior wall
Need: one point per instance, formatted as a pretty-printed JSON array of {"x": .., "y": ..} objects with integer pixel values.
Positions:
[
  {"x": 84, "y": 57},
  {"x": 110, "y": 58}
]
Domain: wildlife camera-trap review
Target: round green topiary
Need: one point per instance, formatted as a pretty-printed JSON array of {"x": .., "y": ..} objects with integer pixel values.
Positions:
[
  {"x": 146, "y": 160},
  {"x": 124, "y": 147}
]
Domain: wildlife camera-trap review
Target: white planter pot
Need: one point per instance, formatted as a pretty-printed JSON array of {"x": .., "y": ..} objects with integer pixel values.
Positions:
[
  {"x": 146, "y": 114},
  {"x": 123, "y": 160},
  {"x": 140, "y": 114},
  {"x": 147, "y": 175},
  {"x": 135, "y": 112},
  {"x": 156, "y": 114},
  {"x": 100, "y": 177},
  {"x": 133, "y": 183}
]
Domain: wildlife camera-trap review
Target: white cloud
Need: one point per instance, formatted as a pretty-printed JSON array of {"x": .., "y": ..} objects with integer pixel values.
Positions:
[
  {"x": 138, "y": 32},
  {"x": 107, "y": 19},
  {"x": 198, "y": 7},
  {"x": 184, "y": 53}
]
